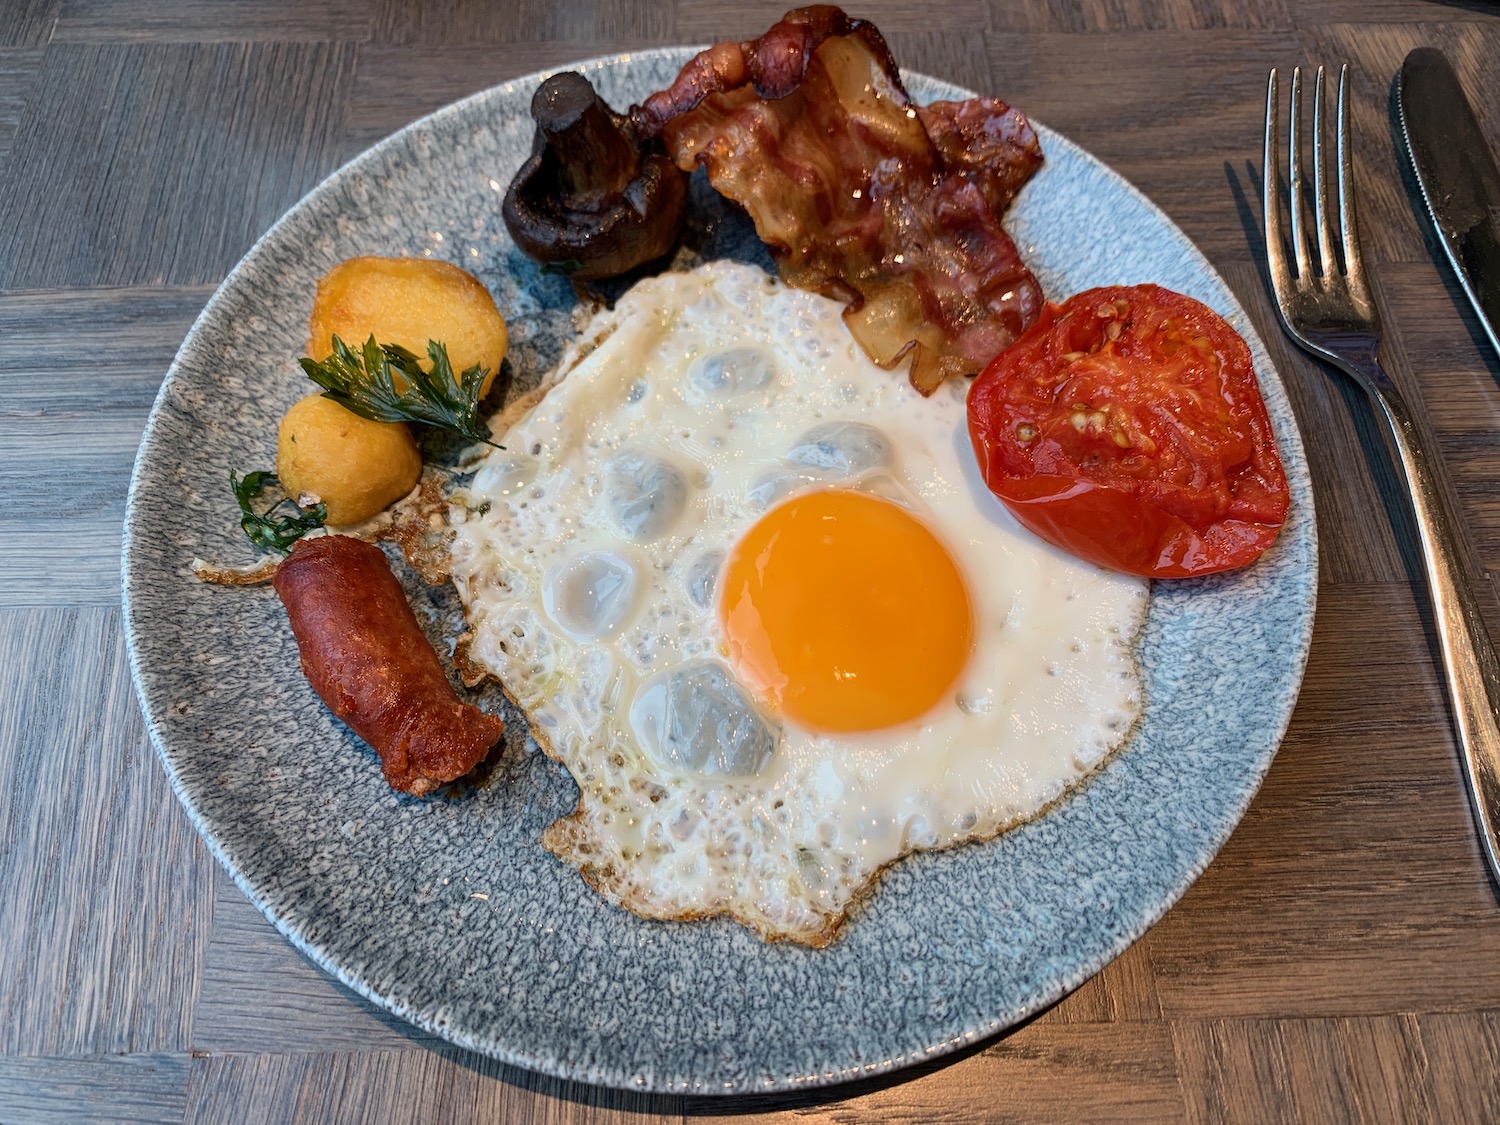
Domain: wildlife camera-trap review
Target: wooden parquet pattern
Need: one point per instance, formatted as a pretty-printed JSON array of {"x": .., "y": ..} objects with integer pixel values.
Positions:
[{"x": 1340, "y": 961}]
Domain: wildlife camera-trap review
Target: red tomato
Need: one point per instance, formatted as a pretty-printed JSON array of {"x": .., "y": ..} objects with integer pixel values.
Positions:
[{"x": 1126, "y": 426}]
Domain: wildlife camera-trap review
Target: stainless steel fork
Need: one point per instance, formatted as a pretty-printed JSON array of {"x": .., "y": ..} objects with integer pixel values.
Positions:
[{"x": 1326, "y": 307}]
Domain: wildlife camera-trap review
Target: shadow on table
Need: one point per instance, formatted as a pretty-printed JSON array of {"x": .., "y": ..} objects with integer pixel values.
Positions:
[
  {"x": 1486, "y": 7},
  {"x": 673, "y": 1105}
]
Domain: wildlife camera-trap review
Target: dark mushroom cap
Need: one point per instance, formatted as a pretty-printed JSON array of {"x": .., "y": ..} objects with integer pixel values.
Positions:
[{"x": 588, "y": 196}]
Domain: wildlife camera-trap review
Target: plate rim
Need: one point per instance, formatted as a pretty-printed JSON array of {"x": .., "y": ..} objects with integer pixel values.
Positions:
[{"x": 549, "y": 1064}]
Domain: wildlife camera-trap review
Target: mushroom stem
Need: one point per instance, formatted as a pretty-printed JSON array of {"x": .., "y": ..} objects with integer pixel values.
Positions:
[{"x": 596, "y": 161}]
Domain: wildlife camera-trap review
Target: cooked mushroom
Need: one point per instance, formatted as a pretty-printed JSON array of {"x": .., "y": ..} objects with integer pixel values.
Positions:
[{"x": 591, "y": 199}]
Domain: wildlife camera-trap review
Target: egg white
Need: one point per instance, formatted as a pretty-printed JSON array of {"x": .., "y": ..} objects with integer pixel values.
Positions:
[{"x": 1050, "y": 689}]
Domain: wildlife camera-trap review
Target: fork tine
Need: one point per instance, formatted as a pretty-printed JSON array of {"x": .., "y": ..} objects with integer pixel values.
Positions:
[
  {"x": 1294, "y": 180},
  {"x": 1270, "y": 179},
  {"x": 1328, "y": 264},
  {"x": 1354, "y": 264}
]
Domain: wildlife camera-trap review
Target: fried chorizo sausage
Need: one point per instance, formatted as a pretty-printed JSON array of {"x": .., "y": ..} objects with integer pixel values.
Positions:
[{"x": 369, "y": 661}]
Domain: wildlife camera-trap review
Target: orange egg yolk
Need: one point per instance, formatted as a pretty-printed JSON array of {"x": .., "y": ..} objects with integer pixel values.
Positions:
[{"x": 844, "y": 613}]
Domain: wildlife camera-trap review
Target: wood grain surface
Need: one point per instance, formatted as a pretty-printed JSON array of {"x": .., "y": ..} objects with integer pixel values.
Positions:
[{"x": 1339, "y": 961}]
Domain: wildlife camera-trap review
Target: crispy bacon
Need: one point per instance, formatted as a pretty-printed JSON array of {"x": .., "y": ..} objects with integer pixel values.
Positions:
[
  {"x": 859, "y": 193},
  {"x": 988, "y": 142}
]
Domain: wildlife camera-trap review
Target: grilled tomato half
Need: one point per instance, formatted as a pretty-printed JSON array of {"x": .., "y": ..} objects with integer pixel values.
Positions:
[{"x": 1126, "y": 427}]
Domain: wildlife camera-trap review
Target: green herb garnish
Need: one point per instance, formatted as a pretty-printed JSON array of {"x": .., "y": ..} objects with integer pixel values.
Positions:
[
  {"x": 283, "y": 523},
  {"x": 565, "y": 268},
  {"x": 367, "y": 383}
]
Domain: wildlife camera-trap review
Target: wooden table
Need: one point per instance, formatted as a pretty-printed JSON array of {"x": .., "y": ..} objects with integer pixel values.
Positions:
[{"x": 1340, "y": 960}]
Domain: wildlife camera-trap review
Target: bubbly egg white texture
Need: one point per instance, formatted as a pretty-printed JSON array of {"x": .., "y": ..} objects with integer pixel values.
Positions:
[{"x": 588, "y": 554}]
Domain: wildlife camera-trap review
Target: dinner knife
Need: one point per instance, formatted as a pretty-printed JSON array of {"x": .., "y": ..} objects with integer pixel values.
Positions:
[{"x": 1456, "y": 170}]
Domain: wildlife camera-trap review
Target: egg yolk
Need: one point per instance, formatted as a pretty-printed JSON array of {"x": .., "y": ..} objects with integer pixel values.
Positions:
[{"x": 844, "y": 613}]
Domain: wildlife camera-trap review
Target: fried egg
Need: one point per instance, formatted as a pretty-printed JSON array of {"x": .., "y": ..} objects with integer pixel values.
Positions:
[{"x": 750, "y": 590}]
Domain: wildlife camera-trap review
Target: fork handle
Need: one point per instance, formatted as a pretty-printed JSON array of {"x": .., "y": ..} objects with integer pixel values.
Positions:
[{"x": 1468, "y": 655}]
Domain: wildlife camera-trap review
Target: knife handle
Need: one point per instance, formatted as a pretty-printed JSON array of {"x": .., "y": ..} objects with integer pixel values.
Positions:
[{"x": 1468, "y": 655}]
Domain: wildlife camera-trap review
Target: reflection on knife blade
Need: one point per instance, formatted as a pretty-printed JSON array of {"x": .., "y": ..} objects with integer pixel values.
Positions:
[{"x": 1457, "y": 173}]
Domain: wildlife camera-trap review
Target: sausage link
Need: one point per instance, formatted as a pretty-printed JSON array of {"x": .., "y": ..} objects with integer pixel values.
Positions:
[{"x": 369, "y": 661}]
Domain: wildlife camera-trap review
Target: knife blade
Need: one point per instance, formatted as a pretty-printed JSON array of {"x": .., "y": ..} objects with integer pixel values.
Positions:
[{"x": 1457, "y": 174}]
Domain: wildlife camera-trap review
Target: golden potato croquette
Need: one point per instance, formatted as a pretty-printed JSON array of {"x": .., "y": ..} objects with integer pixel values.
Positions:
[
  {"x": 353, "y": 465},
  {"x": 409, "y": 301}
]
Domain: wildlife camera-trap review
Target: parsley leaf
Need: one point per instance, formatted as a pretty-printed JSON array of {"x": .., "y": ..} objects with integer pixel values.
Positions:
[
  {"x": 387, "y": 383},
  {"x": 275, "y": 528}
]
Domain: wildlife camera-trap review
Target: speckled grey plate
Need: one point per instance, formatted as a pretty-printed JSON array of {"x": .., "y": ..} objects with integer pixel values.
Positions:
[{"x": 449, "y": 912}]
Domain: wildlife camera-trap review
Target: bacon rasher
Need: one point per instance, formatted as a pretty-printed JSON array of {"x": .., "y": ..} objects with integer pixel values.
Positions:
[{"x": 861, "y": 194}]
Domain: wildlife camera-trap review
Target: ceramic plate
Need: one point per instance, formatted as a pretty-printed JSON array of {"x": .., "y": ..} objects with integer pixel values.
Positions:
[{"x": 448, "y": 912}]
